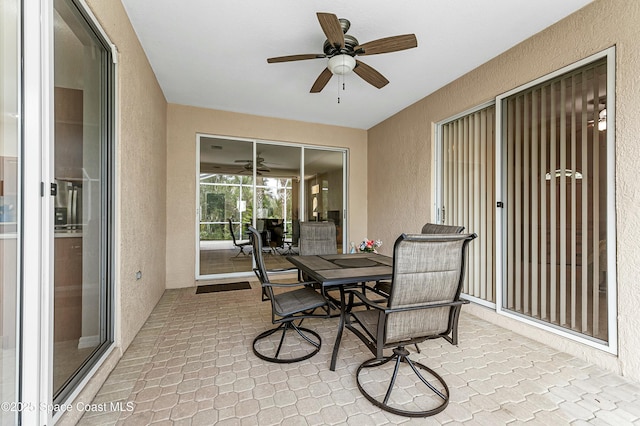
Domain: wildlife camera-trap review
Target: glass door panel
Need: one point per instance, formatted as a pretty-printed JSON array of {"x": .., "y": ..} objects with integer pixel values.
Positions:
[
  {"x": 225, "y": 205},
  {"x": 226, "y": 186},
  {"x": 9, "y": 202},
  {"x": 467, "y": 195},
  {"x": 555, "y": 148},
  {"x": 81, "y": 114},
  {"x": 277, "y": 198},
  {"x": 324, "y": 188}
]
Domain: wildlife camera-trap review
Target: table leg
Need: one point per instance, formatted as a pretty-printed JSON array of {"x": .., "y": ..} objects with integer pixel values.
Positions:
[{"x": 336, "y": 345}]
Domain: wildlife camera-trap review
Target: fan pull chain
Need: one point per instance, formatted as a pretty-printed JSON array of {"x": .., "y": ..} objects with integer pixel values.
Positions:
[{"x": 343, "y": 86}]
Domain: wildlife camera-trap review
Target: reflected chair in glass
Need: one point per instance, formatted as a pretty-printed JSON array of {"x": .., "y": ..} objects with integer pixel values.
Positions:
[
  {"x": 294, "y": 302},
  {"x": 241, "y": 246},
  {"x": 424, "y": 304},
  {"x": 292, "y": 243}
]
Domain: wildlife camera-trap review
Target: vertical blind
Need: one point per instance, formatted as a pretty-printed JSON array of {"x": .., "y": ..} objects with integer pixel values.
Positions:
[
  {"x": 468, "y": 193},
  {"x": 554, "y": 149}
]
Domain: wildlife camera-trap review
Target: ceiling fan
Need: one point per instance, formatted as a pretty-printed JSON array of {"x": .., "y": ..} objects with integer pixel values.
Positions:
[
  {"x": 342, "y": 48},
  {"x": 248, "y": 165}
]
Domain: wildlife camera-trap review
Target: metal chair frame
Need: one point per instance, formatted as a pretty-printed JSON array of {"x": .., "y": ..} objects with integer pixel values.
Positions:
[
  {"x": 376, "y": 342},
  {"x": 308, "y": 299}
]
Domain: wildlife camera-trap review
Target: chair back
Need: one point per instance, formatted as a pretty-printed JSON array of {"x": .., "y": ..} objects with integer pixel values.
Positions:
[
  {"x": 317, "y": 238},
  {"x": 256, "y": 242},
  {"x": 436, "y": 228},
  {"x": 427, "y": 269}
]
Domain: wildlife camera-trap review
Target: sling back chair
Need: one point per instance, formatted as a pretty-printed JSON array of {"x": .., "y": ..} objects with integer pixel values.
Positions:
[
  {"x": 316, "y": 238},
  {"x": 429, "y": 228},
  {"x": 295, "y": 302},
  {"x": 428, "y": 274}
]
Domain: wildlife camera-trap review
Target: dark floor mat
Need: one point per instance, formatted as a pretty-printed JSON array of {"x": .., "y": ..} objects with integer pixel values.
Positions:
[{"x": 213, "y": 288}]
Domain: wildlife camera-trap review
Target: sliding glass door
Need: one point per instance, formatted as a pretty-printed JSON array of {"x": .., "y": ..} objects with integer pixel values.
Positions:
[
  {"x": 225, "y": 204},
  {"x": 10, "y": 202},
  {"x": 82, "y": 191},
  {"x": 267, "y": 185},
  {"x": 467, "y": 183},
  {"x": 555, "y": 157},
  {"x": 277, "y": 194},
  {"x": 324, "y": 192},
  {"x": 531, "y": 175}
]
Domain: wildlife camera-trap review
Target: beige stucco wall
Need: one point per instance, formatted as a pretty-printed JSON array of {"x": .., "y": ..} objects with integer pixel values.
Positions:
[
  {"x": 184, "y": 122},
  {"x": 400, "y": 151},
  {"x": 141, "y": 164}
]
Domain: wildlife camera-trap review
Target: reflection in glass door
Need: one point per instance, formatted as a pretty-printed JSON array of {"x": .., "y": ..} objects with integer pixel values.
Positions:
[{"x": 81, "y": 325}]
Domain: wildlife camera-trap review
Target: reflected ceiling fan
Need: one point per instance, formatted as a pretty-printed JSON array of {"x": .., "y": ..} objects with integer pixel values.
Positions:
[
  {"x": 341, "y": 49},
  {"x": 248, "y": 165}
]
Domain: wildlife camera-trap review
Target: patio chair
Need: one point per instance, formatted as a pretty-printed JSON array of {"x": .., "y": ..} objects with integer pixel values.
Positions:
[
  {"x": 241, "y": 246},
  {"x": 429, "y": 228},
  {"x": 428, "y": 273},
  {"x": 298, "y": 302},
  {"x": 317, "y": 238},
  {"x": 292, "y": 243}
]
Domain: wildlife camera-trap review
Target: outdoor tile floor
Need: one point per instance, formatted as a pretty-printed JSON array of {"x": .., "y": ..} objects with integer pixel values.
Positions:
[{"x": 192, "y": 364}]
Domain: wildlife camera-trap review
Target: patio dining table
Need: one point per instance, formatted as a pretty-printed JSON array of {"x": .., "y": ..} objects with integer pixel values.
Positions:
[{"x": 337, "y": 271}]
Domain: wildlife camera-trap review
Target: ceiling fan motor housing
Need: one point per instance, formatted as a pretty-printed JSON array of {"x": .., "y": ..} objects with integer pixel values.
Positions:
[{"x": 350, "y": 43}]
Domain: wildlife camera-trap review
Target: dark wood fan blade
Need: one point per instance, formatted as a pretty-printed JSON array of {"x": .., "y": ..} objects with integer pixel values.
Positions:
[
  {"x": 370, "y": 75},
  {"x": 321, "y": 81},
  {"x": 296, "y": 58},
  {"x": 387, "y": 44},
  {"x": 332, "y": 29}
]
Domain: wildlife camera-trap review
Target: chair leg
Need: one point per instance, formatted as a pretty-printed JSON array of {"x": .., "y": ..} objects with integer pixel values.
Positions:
[
  {"x": 401, "y": 356},
  {"x": 305, "y": 333}
]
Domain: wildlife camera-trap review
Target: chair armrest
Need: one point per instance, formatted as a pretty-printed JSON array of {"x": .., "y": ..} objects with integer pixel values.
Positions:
[
  {"x": 365, "y": 300},
  {"x": 429, "y": 306}
]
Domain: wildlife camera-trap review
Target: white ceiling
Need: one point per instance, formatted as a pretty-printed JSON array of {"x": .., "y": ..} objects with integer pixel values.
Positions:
[{"x": 212, "y": 54}]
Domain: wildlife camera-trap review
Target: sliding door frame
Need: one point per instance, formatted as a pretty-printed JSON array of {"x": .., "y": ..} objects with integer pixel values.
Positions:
[
  {"x": 255, "y": 142},
  {"x": 500, "y": 163},
  {"x": 611, "y": 346},
  {"x": 439, "y": 211}
]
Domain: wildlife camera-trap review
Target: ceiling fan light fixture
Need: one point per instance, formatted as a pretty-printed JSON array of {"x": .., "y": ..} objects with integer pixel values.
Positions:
[{"x": 341, "y": 64}]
